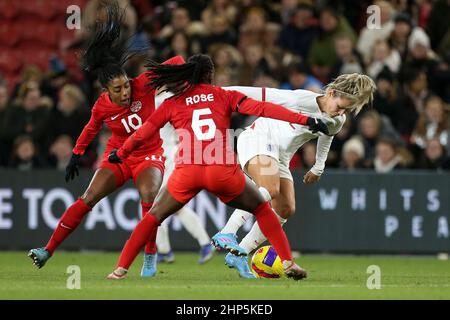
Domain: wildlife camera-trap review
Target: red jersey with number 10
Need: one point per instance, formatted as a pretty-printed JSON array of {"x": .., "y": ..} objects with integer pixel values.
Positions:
[
  {"x": 201, "y": 118},
  {"x": 123, "y": 122}
]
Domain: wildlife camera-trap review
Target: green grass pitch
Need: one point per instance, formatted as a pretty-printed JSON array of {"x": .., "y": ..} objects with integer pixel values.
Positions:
[{"x": 330, "y": 277}]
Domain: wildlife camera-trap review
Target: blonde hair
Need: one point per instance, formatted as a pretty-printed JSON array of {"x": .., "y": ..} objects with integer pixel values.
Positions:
[
  {"x": 358, "y": 88},
  {"x": 75, "y": 93}
]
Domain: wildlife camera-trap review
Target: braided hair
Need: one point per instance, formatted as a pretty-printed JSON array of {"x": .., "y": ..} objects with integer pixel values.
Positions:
[
  {"x": 105, "y": 54},
  {"x": 179, "y": 79}
]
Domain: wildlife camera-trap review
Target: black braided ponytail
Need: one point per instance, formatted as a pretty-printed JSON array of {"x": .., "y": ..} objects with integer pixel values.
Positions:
[
  {"x": 106, "y": 54},
  {"x": 179, "y": 79}
]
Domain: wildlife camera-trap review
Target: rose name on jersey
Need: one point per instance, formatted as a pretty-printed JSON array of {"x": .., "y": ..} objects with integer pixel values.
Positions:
[{"x": 199, "y": 98}]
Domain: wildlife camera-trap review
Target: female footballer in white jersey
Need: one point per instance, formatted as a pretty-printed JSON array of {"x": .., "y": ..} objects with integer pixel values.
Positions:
[{"x": 266, "y": 148}]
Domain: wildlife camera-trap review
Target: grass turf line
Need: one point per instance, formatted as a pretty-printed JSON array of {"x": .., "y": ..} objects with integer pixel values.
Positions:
[{"x": 329, "y": 277}]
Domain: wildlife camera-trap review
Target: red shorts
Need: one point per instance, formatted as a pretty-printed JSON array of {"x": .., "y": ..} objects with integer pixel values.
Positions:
[
  {"x": 133, "y": 165},
  {"x": 225, "y": 182}
]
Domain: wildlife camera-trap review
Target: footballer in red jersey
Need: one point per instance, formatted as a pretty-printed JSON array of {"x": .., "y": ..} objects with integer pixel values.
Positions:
[
  {"x": 201, "y": 115},
  {"x": 124, "y": 106}
]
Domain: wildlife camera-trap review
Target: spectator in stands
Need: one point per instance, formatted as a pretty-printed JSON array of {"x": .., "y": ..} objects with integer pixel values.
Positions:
[
  {"x": 31, "y": 73},
  {"x": 432, "y": 123},
  {"x": 308, "y": 154},
  {"x": 404, "y": 34},
  {"x": 24, "y": 155},
  {"x": 298, "y": 34},
  {"x": 28, "y": 116},
  {"x": 434, "y": 157},
  {"x": 220, "y": 32},
  {"x": 103, "y": 137},
  {"x": 300, "y": 78},
  {"x": 438, "y": 25},
  {"x": 60, "y": 152},
  {"x": 322, "y": 57},
  {"x": 420, "y": 56},
  {"x": 95, "y": 10},
  {"x": 223, "y": 78},
  {"x": 352, "y": 154},
  {"x": 4, "y": 106},
  {"x": 219, "y": 8},
  {"x": 288, "y": 9},
  {"x": 368, "y": 37},
  {"x": 385, "y": 98},
  {"x": 373, "y": 127},
  {"x": 387, "y": 156},
  {"x": 180, "y": 21},
  {"x": 335, "y": 153},
  {"x": 180, "y": 44},
  {"x": 348, "y": 59},
  {"x": 71, "y": 114},
  {"x": 275, "y": 56},
  {"x": 225, "y": 57},
  {"x": 251, "y": 31},
  {"x": 57, "y": 76},
  {"x": 415, "y": 90},
  {"x": 383, "y": 56},
  {"x": 265, "y": 81},
  {"x": 254, "y": 65}
]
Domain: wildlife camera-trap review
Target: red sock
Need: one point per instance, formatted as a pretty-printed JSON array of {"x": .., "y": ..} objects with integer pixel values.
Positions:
[
  {"x": 150, "y": 247},
  {"x": 68, "y": 222},
  {"x": 272, "y": 230},
  {"x": 144, "y": 230}
]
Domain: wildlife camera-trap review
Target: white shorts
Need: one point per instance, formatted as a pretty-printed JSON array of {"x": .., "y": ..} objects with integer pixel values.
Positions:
[{"x": 252, "y": 143}]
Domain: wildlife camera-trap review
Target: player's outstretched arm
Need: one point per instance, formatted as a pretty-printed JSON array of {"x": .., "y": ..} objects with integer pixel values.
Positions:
[
  {"x": 323, "y": 147},
  {"x": 275, "y": 111},
  {"x": 90, "y": 130},
  {"x": 151, "y": 127}
]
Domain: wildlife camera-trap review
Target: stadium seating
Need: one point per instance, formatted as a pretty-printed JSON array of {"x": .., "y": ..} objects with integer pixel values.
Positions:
[{"x": 31, "y": 31}]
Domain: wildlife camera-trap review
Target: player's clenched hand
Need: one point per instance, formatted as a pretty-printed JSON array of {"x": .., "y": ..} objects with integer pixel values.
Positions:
[
  {"x": 72, "y": 167},
  {"x": 310, "y": 177},
  {"x": 315, "y": 125},
  {"x": 113, "y": 157}
]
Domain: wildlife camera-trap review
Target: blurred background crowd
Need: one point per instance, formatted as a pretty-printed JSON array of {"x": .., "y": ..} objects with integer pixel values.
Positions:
[{"x": 45, "y": 96}]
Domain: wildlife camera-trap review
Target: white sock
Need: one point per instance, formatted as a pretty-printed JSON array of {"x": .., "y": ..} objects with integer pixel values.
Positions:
[
  {"x": 239, "y": 217},
  {"x": 162, "y": 238},
  {"x": 192, "y": 224},
  {"x": 255, "y": 237}
]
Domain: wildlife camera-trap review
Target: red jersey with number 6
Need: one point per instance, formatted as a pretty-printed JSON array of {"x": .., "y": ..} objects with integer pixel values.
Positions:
[
  {"x": 123, "y": 122},
  {"x": 201, "y": 118}
]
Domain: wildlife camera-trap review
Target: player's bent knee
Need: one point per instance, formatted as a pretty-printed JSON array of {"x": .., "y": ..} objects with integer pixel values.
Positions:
[
  {"x": 286, "y": 211},
  {"x": 148, "y": 194},
  {"x": 91, "y": 198},
  {"x": 273, "y": 191}
]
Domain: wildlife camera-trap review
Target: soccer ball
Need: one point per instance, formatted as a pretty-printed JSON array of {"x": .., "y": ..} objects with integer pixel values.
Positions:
[{"x": 266, "y": 263}]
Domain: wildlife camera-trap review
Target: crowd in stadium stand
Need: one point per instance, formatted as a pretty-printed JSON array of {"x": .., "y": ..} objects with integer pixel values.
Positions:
[{"x": 288, "y": 44}]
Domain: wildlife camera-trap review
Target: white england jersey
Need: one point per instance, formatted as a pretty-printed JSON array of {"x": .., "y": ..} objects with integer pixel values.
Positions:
[
  {"x": 168, "y": 133},
  {"x": 289, "y": 137},
  {"x": 169, "y": 137}
]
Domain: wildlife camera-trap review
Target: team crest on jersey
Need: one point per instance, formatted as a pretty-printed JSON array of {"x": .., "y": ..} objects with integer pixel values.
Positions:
[{"x": 136, "y": 106}]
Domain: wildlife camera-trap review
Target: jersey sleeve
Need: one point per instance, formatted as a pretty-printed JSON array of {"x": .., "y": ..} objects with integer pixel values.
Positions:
[
  {"x": 90, "y": 130},
  {"x": 245, "y": 105},
  {"x": 151, "y": 127},
  {"x": 175, "y": 60},
  {"x": 251, "y": 92},
  {"x": 323, "y": 147}
]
